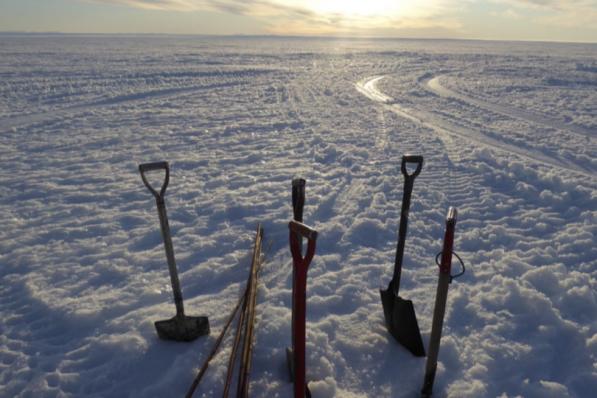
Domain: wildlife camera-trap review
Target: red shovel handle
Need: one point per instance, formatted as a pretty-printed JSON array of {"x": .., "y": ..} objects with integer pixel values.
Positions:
[
  {"x": 299, "y": 300},
  {"x": 298, "y": 230}
]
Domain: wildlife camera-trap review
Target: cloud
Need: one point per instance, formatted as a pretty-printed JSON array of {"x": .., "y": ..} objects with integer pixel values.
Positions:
[
  {"x": 508, "y": 13},
  {"x": 321, "y": 17},
  {"x": 247, "y": 7},
  {"x": 553, "y": 5},
  {"x": 563, "y": 13}
]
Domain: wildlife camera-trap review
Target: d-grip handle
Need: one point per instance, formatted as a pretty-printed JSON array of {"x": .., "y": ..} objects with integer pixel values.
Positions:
[
  {"x": 417, "y": 159},
  {"x": 303, "y": 230},
  {"x": 297, "y": 230},
  {"x": 145, "y": 167}
]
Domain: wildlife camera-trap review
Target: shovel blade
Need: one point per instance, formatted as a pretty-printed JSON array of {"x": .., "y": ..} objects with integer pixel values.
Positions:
[
  {"x": 290, "y": 363},
  {"x": 401, "y": 321},
  {"x": 182, "y": 328}
]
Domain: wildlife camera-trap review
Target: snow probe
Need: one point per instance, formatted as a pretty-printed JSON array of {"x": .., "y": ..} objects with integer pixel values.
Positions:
[
  {"x": 445, "y": 278},
  {"x": 249, "y": 330},
  {"x": 399, "y": 314},
  {"x": 299, "y": 302},
  {"x": 242, "y": 300},
  {"x": 181, "y": 327}
]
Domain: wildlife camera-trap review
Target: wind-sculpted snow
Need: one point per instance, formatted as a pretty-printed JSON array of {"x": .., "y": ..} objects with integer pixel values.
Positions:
[{"x": 83, "y": 270}]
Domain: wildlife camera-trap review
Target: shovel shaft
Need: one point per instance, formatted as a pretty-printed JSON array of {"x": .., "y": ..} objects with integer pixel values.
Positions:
[
  {"x": 409, "y": 181},
  {"x": 299, "y": 331},
  {"x": 298, "y": 203},
  {"x": 161, "y": 205},
  {"x": 165, "y": 227},
  {"x": 408, "y": 188}
]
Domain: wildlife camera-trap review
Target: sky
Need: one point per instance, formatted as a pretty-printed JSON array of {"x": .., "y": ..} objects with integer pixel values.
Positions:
[{"x": 546, "y": 20}]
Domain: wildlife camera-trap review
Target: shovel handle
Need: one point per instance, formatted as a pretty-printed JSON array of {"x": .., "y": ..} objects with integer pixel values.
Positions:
[
  {"x": 298, "y": 198},
  {"x": 145, "y": 167},
  {"x": 299, "y": 300},
  {"x": 409, "y": 181},
  {"x": 417, "y": 159},
  {"x": 298, "y": 230},
  {"x": 165, "y": 227}
]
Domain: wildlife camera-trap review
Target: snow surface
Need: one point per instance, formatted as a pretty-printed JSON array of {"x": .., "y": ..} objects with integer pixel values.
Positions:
[{"x": 509, "y": 135}]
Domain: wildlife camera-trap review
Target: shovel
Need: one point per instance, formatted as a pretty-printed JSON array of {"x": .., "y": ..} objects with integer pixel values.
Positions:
[
  {"x": 399, "y": 314},
  {"x": 181, "y": 327},
  {"x": 298, "y": 203},
  {"x": 299, "y": 302}
]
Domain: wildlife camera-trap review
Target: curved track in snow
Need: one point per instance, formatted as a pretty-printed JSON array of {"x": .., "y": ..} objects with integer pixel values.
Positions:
[
  {"x": 433, "y": 84},
  {"x": 445, "y": 129},
  {"x": 24, "y": 120}
]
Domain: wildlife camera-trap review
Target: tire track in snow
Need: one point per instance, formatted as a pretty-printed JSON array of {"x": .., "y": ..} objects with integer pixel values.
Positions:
[
  {"x": 19, "y": 121},
  {"x": 445, "y": 129},
  {"x": 433, "y": 84}
]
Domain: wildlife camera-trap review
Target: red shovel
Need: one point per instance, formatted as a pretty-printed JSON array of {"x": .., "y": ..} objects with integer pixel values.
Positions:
[{"x": 299, "y": 301}]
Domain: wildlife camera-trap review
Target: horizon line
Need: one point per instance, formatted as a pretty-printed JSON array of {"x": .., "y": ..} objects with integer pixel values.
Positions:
[{"x": 239, "y": 35}]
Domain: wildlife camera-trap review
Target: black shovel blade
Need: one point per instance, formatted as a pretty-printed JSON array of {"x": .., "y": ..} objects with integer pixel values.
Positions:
[
  {"x": 401, "y": 321},
  {"x": 182, "y": 328},
  {"x": 290, "y": 363}
]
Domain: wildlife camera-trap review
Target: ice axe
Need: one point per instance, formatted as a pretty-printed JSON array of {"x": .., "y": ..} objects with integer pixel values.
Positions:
[
  {"x": 399, "y": 314},
  {"x": 181, "y": 327}
]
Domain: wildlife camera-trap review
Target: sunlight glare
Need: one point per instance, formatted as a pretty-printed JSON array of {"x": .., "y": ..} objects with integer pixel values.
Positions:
[{"x": 359, "y": 9}]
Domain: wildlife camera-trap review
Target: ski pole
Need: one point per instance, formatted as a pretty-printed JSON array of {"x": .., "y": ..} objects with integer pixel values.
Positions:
[
  {"x": 299, "y": 300},
  {"x": 445, "y": 277}
]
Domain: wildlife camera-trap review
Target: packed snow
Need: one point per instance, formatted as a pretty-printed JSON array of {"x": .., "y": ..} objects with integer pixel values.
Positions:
[{"x": 509, "y": 136}]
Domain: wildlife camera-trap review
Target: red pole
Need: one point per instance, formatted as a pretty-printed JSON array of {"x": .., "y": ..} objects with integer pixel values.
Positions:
[{"x": 441, "y": 297}]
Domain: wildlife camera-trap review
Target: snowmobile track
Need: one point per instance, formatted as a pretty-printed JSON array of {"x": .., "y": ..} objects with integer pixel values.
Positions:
[
  {"x": 433, "y": 84},
  {"x": 444, "y": 129}
]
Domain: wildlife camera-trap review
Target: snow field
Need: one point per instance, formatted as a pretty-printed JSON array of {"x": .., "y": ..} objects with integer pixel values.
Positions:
[{"x": 81, "y": 259}]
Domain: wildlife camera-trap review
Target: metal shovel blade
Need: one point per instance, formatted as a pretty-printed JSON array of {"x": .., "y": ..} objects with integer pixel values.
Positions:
[
  {"x": 401, "y": 321},
  {"x": 290, "y": 364},
  {"x": 182, "y": 328}
]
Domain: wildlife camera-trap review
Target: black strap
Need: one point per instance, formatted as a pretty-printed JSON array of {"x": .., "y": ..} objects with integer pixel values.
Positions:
[{"x": 458, "y": 275}]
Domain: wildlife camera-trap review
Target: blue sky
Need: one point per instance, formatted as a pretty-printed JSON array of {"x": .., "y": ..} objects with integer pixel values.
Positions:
[{"x": 551, "y": 20}]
